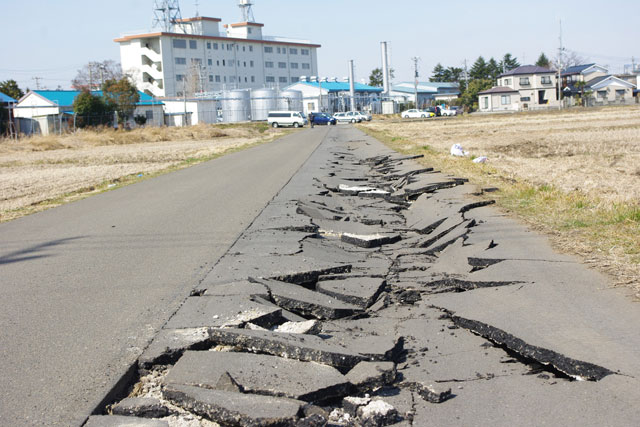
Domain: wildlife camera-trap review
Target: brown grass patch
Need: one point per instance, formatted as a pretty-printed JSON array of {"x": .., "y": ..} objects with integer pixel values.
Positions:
[{"x": 574, "y": 175}]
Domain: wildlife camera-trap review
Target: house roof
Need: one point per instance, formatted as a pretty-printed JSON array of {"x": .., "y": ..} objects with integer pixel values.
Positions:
[
  {"x": 6, "y": 99},
  {"x": 427, "y": 87},
  {"x": 576, "y": 69},
  {"x": 594, "y": 83},
  {"x": 527, "y": 69},
  {"x": 65, "y": 98},
  {"x": 497, "y": 89},
  {"x": 343, "y": 86}
]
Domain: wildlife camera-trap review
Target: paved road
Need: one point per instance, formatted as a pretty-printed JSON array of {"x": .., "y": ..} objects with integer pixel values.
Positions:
[{"x": 85, "y": 286}]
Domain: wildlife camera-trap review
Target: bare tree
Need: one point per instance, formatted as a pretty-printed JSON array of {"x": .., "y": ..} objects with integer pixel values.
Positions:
[
  {"x": 93, "y": 75},
  {"x": 569, "y": 59}
]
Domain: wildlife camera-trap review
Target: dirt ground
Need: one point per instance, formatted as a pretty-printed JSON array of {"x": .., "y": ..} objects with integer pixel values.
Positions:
[
  {"x": 596, "y": 152},
  {"x": 37, "y": 170}
]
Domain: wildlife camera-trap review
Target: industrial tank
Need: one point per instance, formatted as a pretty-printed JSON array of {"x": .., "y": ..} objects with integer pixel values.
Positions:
[
  {"x": 263, "y": 101},
  {"x": 236, "y": 106},
  {"x": 290, "y": 100}
]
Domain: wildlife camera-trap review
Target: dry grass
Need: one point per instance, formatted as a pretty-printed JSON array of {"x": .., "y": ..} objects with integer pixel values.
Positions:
[
  {"x": 573, "y": 175},
  {"x": 45, "y": 171}
]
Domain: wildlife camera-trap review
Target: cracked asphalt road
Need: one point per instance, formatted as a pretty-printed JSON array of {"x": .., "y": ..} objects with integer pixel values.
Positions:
[
  {"x": 374, "y": 291},
  {"x": 87, "y": 285}
]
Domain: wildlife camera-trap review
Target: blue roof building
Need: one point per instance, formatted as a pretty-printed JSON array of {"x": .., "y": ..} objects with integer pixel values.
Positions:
[
  {"x": 335, "y": 96},
  {"x": 6, "y": 99}
]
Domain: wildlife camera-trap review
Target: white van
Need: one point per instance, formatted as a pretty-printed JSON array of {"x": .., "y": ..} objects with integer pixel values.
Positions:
[{"x": 286, "y": 118}]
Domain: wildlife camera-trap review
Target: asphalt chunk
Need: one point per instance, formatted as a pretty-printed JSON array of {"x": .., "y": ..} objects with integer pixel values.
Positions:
[
  {"x": 308, "y": 348},
  {"x": 235, "y": 409},
  {"x": 123, "y": 421},
  {"x": 361, "y": 291},
  {"x": 144, "y": 407},
  {"x": 260, "y": 374}
]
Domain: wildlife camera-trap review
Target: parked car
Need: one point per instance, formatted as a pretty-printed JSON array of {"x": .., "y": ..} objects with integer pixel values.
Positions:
[
  {"x": 355, "y": 116},
  {"x": 435, "y": 110},
  {"x": 346, "y": 118},
  {"x": 323, "y": 119},
  {"x": 286, "y": 118},
  {"x": 459, "y": 110},
  {"x": 365, "y": 116},
  {"x": 448, "y": 112},
  {"x": 416, "y": 114}
]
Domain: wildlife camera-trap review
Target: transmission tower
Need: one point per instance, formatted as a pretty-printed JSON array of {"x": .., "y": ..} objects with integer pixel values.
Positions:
[
  {"x": 247, "y": 11},
  {"x": 166, "y": 13}
]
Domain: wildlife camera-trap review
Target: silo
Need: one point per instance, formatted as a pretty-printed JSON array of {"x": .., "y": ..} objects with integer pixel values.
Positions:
[
  {"x": 290, "y": 100},
  {"x": 236, "y": 106},
  {"x": 263, "y": 101}
]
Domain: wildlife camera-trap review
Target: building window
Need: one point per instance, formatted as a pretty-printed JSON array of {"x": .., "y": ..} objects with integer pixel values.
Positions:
[
  {"x": 251, "y": 64},
  {"x": 602, "y": 94},
  {"x": 196, "y": 61},
  {"x": 282, "y": 79},
  {"x": 149, "y": 115},
  {"x": 524, "y": 81},
  {"x": 179, "y": 94},
  {"x": 306, "y": 66},
  {"x": 268, "y": 64},
  {"x": 546, "y": 80},
  {"x": 224, "y": 62},
  {"x": 295, "y": 79},
  {"x": 217, "y": 79},
  {"x": 620, "y": 93},
  {"x": 253, "y": 79},
  {"x": 244, "y": 48},
  {"x": 181, "y": 61},
  {"x": 225, "y": 79},
  {"x": 249, "y": 30},
  {"x": 250, "y": 48},
  {"x": 245, "y": 64},
  {"x": 208, "y": 45},
  {"x": 525, "y": 98},
  {"x": 282, "y": 65},
  {"x": 268, "y": 49},
  {"x": 179, "y": 44},
  {"x": 210, "y": 62},
  {"x": 485, "y": 102},
  {"x": 245, "y": 80},
  {"x": 215, "y": 46},
  {"x": 294, "y": 65},
  {"x": 179, "y": 77},
  {"x": 304, "y": 51},
  {"x": 229, "y": 46},
  {"x": 507, "y": 82},
  {"x": 193, "y": 44},
  {"x": 279, "y": 50},
  {"x": 218, "y": 62},
  {"x": 506, "y": 99},
  {"x": 270, "y": 79},
  {"x": 293, "y": 51},
  {"x": 210, "y": 78}
]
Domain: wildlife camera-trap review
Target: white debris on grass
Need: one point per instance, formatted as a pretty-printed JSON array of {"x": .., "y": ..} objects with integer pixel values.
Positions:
[
  {"x": 456, "y": 150},
  {"x": 481, "y": 159}
]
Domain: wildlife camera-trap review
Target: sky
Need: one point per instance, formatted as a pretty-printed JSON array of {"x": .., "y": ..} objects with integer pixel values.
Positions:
[{"x": 52, "y": 39}]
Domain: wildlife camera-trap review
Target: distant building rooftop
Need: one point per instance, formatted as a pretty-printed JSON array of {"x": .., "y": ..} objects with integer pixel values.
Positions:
[
  {"x": 527, "y": 69},
  {"x": 343, "y": 86},
  {"x": 497, "y": 89},
  {"x": 6, "y": 99},
  {"x": 65, "y": 98}
]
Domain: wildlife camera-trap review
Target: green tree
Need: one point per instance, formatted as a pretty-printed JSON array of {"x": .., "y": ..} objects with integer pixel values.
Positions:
[
  {"x": 508, "y": 63},
  {"x": 438, "y": 73},
  {"x": 90, "y": 110},
  {"x": 121, "y": 96},
  {"x": 493, "y": 69},
  {"x": 470, "y": 96},
  {"x": 454, "y": 74},
  {"x": 10, "y": 88},
  {"x": 376, "y": 78},
  {"x": 543, "y": 61},
  {"x": 479, "y": 69}
]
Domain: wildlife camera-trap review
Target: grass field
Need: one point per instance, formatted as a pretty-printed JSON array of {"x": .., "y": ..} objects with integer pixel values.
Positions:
[
  {"x": 574, "y": 175},
  {"x": 41, "y": 172}
]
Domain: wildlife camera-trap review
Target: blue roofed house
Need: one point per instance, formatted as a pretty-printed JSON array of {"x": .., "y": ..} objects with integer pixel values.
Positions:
[
  {"x": 5, "y": 111},
  {"x": 429, "y": 93},
  {"x": 51, "y": 111},
  {"x": 335, "y": 96}
]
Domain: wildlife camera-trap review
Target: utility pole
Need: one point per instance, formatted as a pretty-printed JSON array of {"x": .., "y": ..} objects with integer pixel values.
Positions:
[
  {"x": 352, "y": 90},
  {"x": 415, "y": 60},
  {"x": 37, "y": 79},
  {"x": 466, "y": 73},
  {"x": 560, "y": 50}
]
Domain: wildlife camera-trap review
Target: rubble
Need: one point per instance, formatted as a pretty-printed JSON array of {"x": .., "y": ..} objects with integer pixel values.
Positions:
[
  {"x": 140, "y": 407},
  {"x": 122, "y": 421},
  {"x": 377, "y": 413}
]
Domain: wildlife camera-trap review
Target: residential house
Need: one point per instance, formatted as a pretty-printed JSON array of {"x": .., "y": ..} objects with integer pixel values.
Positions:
[
  {"x": 336, "y": 96},
  {"x": 527, "y": 87},
  {"x": 428, "y": 92},
  {"x": 601, "y": 87},
  {"x": 51, "y": 111}
]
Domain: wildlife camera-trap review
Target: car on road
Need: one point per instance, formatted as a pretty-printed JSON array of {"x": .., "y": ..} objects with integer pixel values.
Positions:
[
  {"x": 365, "y": 116},
  {"x": 416, "y": 114},
  {"x": 323, "y": 119},
  {"x": 286, "y": 118},
  {"x": 346, "y": 118}
]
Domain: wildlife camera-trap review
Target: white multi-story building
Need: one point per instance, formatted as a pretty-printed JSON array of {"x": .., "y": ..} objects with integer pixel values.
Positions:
[{"x": 196, "y": 57}]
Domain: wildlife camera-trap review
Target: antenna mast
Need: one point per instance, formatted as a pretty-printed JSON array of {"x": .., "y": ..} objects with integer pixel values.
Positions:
[
  {"x": 166, "y": 14},
  {"x": 247, "y": 11}
]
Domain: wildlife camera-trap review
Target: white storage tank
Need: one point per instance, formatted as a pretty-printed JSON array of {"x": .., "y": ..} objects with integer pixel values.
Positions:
[
  {"x": 236, "y": 106},
  {"x": 290, "y": 100},
  {"x": 263, "y": 101}
]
